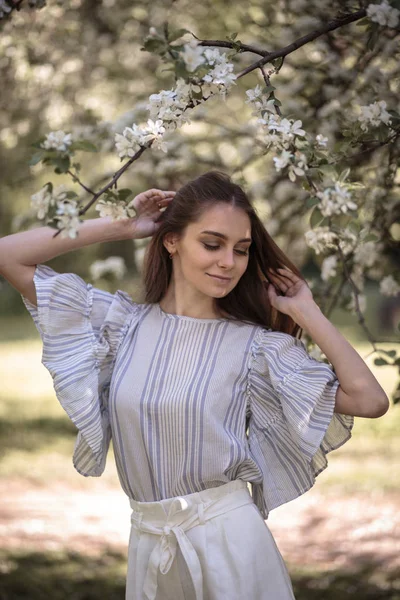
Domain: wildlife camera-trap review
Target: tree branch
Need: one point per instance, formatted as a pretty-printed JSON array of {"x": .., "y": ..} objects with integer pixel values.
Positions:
[{"x": 270, "y": 56}]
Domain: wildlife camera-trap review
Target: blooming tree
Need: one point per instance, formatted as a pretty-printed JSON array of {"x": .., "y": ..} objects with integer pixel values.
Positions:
[{"x": 351, "y": 211}]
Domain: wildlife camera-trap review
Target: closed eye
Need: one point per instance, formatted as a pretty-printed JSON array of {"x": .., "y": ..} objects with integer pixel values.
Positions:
[{"x": 242, "y": 252}]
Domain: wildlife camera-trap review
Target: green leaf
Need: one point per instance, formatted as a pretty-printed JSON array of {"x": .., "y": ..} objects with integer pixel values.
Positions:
[
  {"x": 371, "y": 237},
  {"x": 268, "y": 88},
  {"x": 124, "y": 193},
  {"x": 315, "y": 218},
  {"x": 395, "y": 115},
  {"x": 154, "y": 45},
  {"x": 178, "y": 33},
  {"x": 355, "y": 226},
  {"x": 343, "y": 175},
  {"x": 362, "y": 22},
  {"x": 61, "y": 163},
  {"x": 328, "y": 170},
  {"x": 312, "y": 200},
  {"x": 84, "y": 145},
  {"x": 373, "y": 38},
  {"x": 36, "y": 158}
]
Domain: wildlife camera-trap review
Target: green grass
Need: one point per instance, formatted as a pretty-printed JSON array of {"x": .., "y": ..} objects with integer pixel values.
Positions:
[{"x": 73, "y": 576}]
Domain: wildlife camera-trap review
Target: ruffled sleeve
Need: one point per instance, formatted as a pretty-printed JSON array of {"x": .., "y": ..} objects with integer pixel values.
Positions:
[
  {"x": 81, "y": 328},
  {"x": 292, "y": 424}
]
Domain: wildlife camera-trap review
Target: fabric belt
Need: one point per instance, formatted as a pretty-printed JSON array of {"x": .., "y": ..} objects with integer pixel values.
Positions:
[{"x": 184, "y": 512}]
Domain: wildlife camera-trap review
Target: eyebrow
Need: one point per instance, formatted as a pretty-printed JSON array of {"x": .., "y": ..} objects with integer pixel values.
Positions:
[{"x": 224, "y": 237}]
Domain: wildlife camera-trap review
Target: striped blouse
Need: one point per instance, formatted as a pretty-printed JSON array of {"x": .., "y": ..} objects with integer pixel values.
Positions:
[{"x": 188, "y": 403}]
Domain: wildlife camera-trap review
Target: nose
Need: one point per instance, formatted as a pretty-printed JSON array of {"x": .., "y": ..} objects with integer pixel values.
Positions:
[{"x": 227, "y": 259}]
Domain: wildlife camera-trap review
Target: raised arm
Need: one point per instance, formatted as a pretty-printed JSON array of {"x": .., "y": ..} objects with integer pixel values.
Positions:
[{"x": 21, "y": 252}]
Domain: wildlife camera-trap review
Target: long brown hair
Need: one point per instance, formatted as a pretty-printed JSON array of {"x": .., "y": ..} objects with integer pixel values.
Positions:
[{"x": 248, "y": 301}]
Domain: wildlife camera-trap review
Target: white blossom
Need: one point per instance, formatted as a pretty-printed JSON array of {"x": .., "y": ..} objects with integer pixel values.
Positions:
[
  {"x": 253, "y": 94},
  {"x": 193, "y": 55},
  {"x": 68, "y": 218},
  {"x": 169, "y": 105},
  {"x": 328, "y": 267},
  {"x": 57, "y": 140},
  {"x": 362, "y": 302},
  {"x": 221, "y": 74},
  {"x": 213, "y": 56},
  {"x": 384, "y": 14},
  {"x": 116, "y": 210},
  {"x": 321, "y": 140},
  {"x": 335, "y": 200},
  {"x": 389, "y": 286},
  {"x": 113, "y": 264},
  {"x": 299, "y": 168},
  {"x": 348, "y": 240},
  {"x": 320, "y": 238},
  {"x": 41, "y": 202},
  {"x": 357, "y": 275},
  {"x": 290, "y": 129},
  {"x": 366, "y": 254},
  {"x": 374, "y": 114},
  {"x": 282, "y": 160}
]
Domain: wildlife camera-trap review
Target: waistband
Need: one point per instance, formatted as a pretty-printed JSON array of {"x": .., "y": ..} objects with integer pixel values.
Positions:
[{"x": 171, "y": 517}]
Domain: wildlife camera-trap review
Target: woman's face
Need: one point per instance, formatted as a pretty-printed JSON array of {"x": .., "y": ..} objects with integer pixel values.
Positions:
[{"x": 199, "y": 256}]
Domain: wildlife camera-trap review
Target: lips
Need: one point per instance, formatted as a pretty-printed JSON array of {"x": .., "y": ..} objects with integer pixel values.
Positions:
[{"x": 219, "y": 278}]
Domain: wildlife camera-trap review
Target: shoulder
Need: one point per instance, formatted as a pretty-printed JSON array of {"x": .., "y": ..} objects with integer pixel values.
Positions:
[{"x": 276, "y": 352}]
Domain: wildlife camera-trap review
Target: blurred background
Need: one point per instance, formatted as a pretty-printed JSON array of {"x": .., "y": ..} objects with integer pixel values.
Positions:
[{"x": 80, "y": 68}]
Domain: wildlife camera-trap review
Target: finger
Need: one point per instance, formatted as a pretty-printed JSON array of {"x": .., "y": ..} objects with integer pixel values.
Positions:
[
  {"x": 286, "y": 272},
  {"x": 286, "y": 277}
]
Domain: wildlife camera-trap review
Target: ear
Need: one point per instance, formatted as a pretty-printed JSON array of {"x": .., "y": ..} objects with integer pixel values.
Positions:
[{"x": 170, "y": 240}]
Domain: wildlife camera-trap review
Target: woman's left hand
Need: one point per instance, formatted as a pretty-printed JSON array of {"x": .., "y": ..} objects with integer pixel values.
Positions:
[{"x": 297, "y": 294}]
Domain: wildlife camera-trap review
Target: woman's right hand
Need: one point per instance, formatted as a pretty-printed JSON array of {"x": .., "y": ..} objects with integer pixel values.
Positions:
[{"x": 147, "y": 206}]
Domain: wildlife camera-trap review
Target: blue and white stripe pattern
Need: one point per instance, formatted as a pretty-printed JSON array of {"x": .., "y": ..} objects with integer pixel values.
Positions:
[{"x": 175, "y": 394}]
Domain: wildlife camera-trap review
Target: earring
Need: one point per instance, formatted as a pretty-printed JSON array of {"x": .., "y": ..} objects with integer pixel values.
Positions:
[{"x": 170, "y": 256}]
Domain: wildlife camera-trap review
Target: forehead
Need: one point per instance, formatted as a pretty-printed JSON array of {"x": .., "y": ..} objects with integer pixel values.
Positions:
[{"x": 225, "y": 216}]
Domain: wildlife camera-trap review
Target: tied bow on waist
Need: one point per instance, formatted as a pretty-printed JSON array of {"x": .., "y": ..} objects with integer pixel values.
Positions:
[{"x": 171, "y": 534}]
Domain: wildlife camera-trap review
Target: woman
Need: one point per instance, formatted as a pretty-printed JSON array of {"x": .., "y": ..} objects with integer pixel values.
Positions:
[{"x": 203, "y": 387}]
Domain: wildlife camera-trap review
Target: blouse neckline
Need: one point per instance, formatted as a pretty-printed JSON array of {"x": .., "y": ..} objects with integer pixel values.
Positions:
[{"x": 185, "y": 318}]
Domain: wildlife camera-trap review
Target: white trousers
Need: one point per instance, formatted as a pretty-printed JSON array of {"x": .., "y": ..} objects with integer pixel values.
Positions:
[{"x": 209, "y": 545}]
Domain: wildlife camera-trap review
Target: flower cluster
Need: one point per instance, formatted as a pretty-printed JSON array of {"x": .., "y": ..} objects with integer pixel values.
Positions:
[
  {"x": 384, "y": 14},
  {"x": 373, "y": 115},
  {"x": 389, "y": 286},
  {"x": 117, "y": 210},
  {"x": 167, "y": 108},
  {"x": 41, "y": 202},
  {"x": 67, "y": 218},
  {"x": 47, "y": 197},
  {"x": 170, "y": 105},
  {"x": 57, "y": 140},
  {"x": 320, "y": 238},
  {"x": 335, "y": 200},
  {"x": 67, "y": 210},
  {"x": 281, "y": 133},
  {"x": 133, "y": 138},
  {"x": 113, "y": 264}
]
